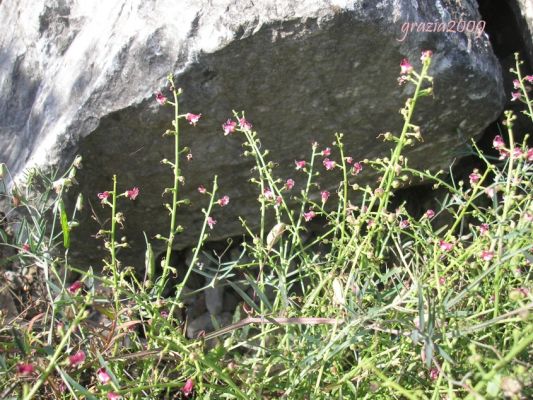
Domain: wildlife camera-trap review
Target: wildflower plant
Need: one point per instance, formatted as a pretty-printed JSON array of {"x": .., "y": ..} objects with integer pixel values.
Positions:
[{"x": 377, "y": 303}]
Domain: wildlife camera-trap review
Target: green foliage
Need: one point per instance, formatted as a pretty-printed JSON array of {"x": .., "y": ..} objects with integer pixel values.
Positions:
[{"x": 378, "y": 304}]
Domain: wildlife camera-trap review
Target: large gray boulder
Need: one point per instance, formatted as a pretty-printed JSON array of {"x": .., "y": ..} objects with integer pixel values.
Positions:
[{"x": 78, "y": 77}]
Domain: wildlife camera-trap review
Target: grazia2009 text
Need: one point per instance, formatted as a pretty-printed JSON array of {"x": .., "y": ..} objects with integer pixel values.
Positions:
[{"x": 453, "y": 26}]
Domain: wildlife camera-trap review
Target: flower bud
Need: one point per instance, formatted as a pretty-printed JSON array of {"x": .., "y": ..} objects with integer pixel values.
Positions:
[
  {"x": 3, "y": 170},
  {"x": 79, "y": 202}
]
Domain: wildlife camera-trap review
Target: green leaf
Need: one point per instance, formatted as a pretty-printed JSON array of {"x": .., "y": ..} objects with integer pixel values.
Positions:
[
  {"x": 64, "y": 224},
  {"x": 244, "y": 296},
  {"x": 77, "y": 386},
  {"x": 428, "y": 349},
  {"x": 421, "y": 321},
  {"x": 20, "y": 342},
  {"x": 444, "y": 354},
  {"x": 149, "y": 260}
]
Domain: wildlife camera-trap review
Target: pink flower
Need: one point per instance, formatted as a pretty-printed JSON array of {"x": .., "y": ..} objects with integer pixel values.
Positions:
[
  {"x": 405, "y": 67},
  {"x": 530, "y": 155},
  {"x": 25, "y": 369},
  {"x": 211, "y": 222},
  {"x": 26, "y": 247},
  {"x": 324, "y": 195},
  {"x": 517, "y": 152},
  {"x": 445, "y": 246},
  {"x": 188, "y": 388},
  {"x": 223, "y": 201},
  {"x": 483, "y": 228},
  {"x": 189, "y": 156},
  {"x": 490, "y": 192},
  {"x": 164, "y": 313},
  {"x": 308, "y": 216},
  {"x": 160, "y": 98},
  {"x": 202, "y": 189},
  {"x": 426, "y": 55},
  {"x": 300, "y": 164},
  {"x": 75, "y": 287},
  {"x": 289, "y": 184},
  {"x": 103, "y": 196},
  {"x": 498, "y": 142},
  {"x": 474, "y": 177},
  {"x": 516, "y": 84},
  {"x": 279, "y": 200},
  {"x": 357, "y": 167},
  {"x": 434, "y": 374},
  {"x": 516, "y": 96},
  {"x": 193, "y": 118},
  {"x": 487, "y": 255},
  {"x": 245, "y": 125},
  {"x": 503, "y": 154},
  {"x": 329, "y": 164},
  {"x": 77, "y": 358},
  {"x": 229, "y": 127},
  {"x": 402, "y": 79},
  {"x": 269, "y": 195},
  {"x": 404, "y": 224},
  {"x": 442, "y": 280},
  {"x": 103, "y": 376},
  {"x": 528, "y": 217},
  {"x": 429, "y": 214},
  {"x": 113, "y": 396},
  {"x": 132, "y": 193},
  {"x": 349, "y": 160},
  {"x": 529, "y": 78},
  {"x": 326, "y": 152}
]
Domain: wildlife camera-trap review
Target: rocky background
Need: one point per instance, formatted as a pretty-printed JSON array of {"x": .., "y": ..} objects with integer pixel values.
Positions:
[{"x": 79, "y": 77}]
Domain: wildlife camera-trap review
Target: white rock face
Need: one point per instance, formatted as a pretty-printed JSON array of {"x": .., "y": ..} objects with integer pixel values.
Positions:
[{"x": 78, "y": 76}]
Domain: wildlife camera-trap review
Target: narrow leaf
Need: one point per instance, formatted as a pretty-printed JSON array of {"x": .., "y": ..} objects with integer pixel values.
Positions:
[
  {"x": 64, "y": 225},
  {"x": 149, "y": 259}
]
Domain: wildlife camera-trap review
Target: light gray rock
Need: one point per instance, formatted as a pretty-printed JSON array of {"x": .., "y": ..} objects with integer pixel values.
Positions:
[{"x": 78, "y": 76}]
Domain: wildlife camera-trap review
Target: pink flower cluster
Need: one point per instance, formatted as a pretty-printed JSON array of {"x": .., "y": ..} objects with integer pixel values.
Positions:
[
  {"x": 517, "y": 85},
  {"x": 406, "y": 68},
  {"x": 193, "y": 118},
  {"x": 77, "y": 358},
  {"x": 499, "y": 144},
  {"x": 132, "y": 193},
  {"x": 230, "y": 126}
]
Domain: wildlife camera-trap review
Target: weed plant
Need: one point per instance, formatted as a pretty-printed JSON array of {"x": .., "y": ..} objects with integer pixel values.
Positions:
[{"x": 380, "y": 304}]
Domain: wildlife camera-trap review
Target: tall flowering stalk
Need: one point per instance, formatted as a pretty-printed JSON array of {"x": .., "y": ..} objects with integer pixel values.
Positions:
[
  {"x": 176, "y": 202},
  {"x": 176, "y": 172},
  {"x": 392, "y": 166}
]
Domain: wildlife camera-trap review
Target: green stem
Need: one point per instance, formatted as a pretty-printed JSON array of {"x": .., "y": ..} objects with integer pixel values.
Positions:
[
  {"x": 527, "y": 339},
  {"x": 57, "y": 354},
  {"x": 173, "y": 213},
  {"x": 112, "y": 247},
  {"x": 389, "y": 174},
  {"x": 197, "y": 249},
  {"x": 509, "y": 199}
]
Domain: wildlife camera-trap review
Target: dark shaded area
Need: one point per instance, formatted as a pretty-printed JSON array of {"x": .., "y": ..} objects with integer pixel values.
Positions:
[{"x": 502, "y": 28}]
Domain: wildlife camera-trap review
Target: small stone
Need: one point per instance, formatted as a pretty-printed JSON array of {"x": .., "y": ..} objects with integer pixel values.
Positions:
[
  {"x": 230, "y": 302},
  {"x": 214, "y": 299}
]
